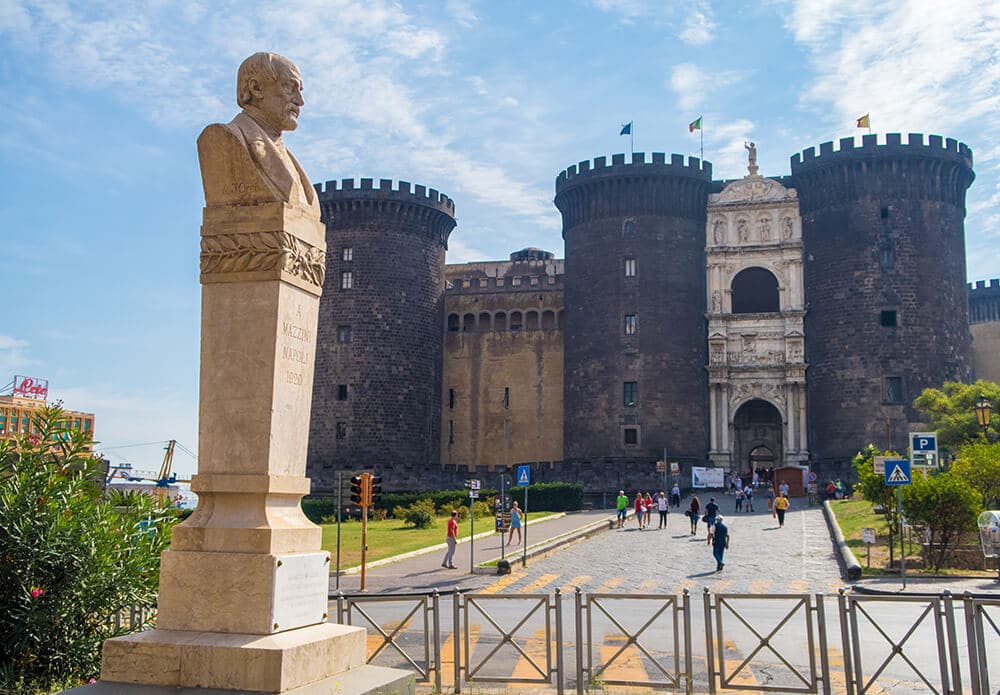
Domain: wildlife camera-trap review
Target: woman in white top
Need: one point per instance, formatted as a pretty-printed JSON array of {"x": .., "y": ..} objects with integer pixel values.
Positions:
[{"x": 663, "y": 508}]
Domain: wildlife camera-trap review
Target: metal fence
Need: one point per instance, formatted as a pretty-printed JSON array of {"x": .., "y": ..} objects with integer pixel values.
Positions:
[{"x": 781, "y": 643}]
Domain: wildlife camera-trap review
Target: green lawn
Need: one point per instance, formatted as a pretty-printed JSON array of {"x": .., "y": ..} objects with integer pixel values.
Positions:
[
  {"x": 856, "y": 514},
  {"x": 393, "y": 537}
]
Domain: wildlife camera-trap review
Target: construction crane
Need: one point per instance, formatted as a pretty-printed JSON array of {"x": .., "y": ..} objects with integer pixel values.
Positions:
[{"x": 164, "y": 478}]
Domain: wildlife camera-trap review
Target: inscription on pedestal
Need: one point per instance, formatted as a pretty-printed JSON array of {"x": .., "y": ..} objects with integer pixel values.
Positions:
[
  {"x": 301, "y": 589},
  {"x": 295, "y": 353}
]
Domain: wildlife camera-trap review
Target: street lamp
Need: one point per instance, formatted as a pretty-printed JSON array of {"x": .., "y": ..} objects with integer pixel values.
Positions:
[{"x": 984, "y": 413}]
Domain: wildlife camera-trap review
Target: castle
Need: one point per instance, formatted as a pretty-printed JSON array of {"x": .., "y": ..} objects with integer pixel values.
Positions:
[{"x": 758, "y": 322}]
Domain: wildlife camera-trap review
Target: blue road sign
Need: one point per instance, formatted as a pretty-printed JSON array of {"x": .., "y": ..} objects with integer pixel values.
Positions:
[
  {"x": 923, "y": 441},
  {"x": 897, "y": 472},
  {"x": 523, "y": 475}
]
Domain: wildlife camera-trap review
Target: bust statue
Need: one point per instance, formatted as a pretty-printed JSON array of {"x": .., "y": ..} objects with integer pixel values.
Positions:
[{"x": 245, "y": 161}]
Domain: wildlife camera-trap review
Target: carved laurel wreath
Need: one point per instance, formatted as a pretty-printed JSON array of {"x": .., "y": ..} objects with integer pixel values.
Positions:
[{"x": 244, "y": 253}]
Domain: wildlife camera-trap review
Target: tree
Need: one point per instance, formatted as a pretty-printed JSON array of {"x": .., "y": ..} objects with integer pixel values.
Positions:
[
  {"x": 979, "y": 465},
  {"x": 872, "y": 487},
  {"x": 947, "y": 506},
  {"x": 70, "y": 559},
  {"x": 950, "y": 411}
]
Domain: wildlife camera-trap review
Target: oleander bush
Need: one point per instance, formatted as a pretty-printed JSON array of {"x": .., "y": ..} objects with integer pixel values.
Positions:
[{"x": 70, "y": 558}]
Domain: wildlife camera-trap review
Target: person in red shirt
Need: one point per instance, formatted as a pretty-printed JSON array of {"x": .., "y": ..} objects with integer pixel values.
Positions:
[
  {"x": 452, "y": 540},
  {"x": 639, "y": 509}
]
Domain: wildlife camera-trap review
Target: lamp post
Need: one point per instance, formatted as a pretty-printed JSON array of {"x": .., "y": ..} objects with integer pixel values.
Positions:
[{"x": 984, "y": 413}]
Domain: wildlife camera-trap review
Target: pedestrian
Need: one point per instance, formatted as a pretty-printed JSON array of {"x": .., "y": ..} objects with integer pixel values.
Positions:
[
  {"x": 647, "y": 505},
  {"x": 640, "y": 507},
  {"x": 770, "y": 498},
  {"x": 739, "y": 499},
  {"x": 693, "y": 511},
  {"x": 663, "y": 508},
  {"x": 515, "y": 523},
  {"x": 622, "y": 504},
  {"x": 675, "y": 496},
  {"x": 748, "y": 499},
  {"x": 452, "y": 540},
  {"x": 756, "y": 478},
  {"x": 711, "y": 511},
  {"x": 780, "y": 507},
  {"x": 719, "y": 541},
  {"x": 783, "y": 489}
]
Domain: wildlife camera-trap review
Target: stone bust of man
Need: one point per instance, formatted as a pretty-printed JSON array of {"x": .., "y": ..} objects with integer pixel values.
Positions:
[{"x": 245, "y": 161}]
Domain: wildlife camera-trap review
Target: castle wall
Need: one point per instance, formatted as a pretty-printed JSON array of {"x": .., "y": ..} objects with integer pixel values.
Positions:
[
  {"x": 502, "y": 394},
  {"x": 653, "y": 214},
  {"x": 984, "y": 318},
  {"x": 377, "y": 388},
  {"x": 883, "y": 229}
]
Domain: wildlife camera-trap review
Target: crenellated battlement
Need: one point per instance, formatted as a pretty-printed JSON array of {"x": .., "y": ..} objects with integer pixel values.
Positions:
[
  {"x": 656, "y": 165},
  {"x": 892, "y": 147},
  {"x": 365, "y": 189},
  {"x": 984, "y": 301}
]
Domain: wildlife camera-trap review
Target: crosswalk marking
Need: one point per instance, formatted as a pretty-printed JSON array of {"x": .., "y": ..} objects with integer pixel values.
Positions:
[
  {"x": 448, "y": 653},
  {"x": 648, "y": 586},
  {"x": 538, "y": 584},
  {"x": 534, "y": 647},
  {"x": 504, "y": 582},
  {"x": 745, "y": 677},
  {"x": 798, "y": 586},
  {"x": 579, "y": 580},
  {"x": 609, "y": 585},
  {"x": 627, "y": 666},
  {"x": 760, "y": 586}
]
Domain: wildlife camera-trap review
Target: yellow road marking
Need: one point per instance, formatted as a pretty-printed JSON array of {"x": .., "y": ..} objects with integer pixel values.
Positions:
[
  {"x": 578, "y": 581},
  {"x": 448, "y": 655},
  {"x": 760, "y": 586},
  {"x": 534, "y": 647},
  {"x": 798, "y": 586},
  {"x": 627, "y": 666},
  {"x": 502, "y": 583},
  {"x": 610, "y": 584},
  {"x": 648, "y": 586},
  {"x": 745, "y": 677},
  {"x": 539, "y": 583}
]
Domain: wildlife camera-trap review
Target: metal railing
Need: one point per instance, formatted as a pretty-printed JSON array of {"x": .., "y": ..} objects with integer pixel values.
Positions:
[{"x": 779, "y": 643}]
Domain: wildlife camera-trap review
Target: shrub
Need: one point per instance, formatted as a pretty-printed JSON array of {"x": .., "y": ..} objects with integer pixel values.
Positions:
[
  {"x": 71, "y": 559},
  {"x": 378, "y": 515},
  {"x": 947, "y": 505},
  {"x": 424, "y": 505},
  {"x": 318, "y": 508},
  {"x": 551, "y": 497},
  {"x": 418, "y": 518}
]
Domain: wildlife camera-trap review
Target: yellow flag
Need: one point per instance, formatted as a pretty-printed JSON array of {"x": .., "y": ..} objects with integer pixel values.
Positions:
[{"x": 864, "y": 122}]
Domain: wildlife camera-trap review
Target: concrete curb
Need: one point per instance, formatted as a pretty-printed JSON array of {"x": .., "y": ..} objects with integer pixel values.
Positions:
[
  {"x": 849, "y": 564},
  {"x": 435, "y": 548}
]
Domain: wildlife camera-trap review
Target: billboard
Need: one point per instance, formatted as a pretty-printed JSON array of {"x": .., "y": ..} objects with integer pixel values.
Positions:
[
  {"x": 707, "y": 477},
  {"x": 31, "y": 387}
]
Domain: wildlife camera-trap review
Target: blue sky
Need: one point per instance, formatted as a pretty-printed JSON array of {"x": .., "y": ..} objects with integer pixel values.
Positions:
[{"x": 485, "y": 101}]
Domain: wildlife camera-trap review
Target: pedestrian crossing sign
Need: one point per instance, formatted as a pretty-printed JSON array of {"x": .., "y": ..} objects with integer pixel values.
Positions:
[
  {"x": 524, "y": 475},
  {"x": 897, "y": 472}
]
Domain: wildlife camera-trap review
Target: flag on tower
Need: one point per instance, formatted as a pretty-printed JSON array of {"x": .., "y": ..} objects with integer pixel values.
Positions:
[
  {"x": 694, "y": 125},
  {"x": 626, "y": 129},
  {"x": 864, "y": 122}
]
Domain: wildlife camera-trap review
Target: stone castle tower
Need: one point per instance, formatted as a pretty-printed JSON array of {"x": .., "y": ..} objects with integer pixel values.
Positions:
[
  {"x": 377, "y": 391},
  {"x": 635, "y": 347},
  {"x": 884, "y": 235},
  {"x": 765, "y": 321}
]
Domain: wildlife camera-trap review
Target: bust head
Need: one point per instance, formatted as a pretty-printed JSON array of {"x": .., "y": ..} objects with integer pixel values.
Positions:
[{"x": 269, "y": 88}]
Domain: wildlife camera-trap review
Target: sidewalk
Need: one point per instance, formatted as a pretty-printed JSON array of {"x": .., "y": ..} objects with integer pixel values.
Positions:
[
  {"x": 977, "y": 586},
  {"x": 423, "y": 572}
]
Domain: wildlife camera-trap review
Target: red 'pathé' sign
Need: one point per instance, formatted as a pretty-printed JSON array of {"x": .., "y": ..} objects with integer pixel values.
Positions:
[{"x": 31, "y": 387}]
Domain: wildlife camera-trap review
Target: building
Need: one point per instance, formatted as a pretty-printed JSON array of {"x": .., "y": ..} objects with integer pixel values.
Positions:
[
  {"x": 984, "y": 320},
  {"x": 762, "y": 322},
  {"x": 24, "y": 398}
]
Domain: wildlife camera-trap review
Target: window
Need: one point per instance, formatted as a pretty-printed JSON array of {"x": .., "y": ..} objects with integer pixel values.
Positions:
[
  {"x": 341, "y": 392},
  {"x": 886, "y": 258},
  {"x": 885, "y": 213},
  {"x": 630, "y": 324},
  {"x": 451, "y": 431},
  {"x": 515, "y": 321},
  {"x": 894, "y": 389},
  {"x": 755, "y": 291},
  {"x": 347, "y": 254},
  {"x": 451, "y": 398},
  {"x": 346, "y": 280},
  {"x": 631, "y": 435},
  {"x": 506, "y": 398},
  {"x": 343, "y": 334},
  {"x": 453, "y": 322},
  {"x": 341, "y": 430},
  {"x": 628, "y": 228},
  {"x": 888, "y": 318},
  {"x": 630, "y": 267},
  {"x": 630, "y": 394}
]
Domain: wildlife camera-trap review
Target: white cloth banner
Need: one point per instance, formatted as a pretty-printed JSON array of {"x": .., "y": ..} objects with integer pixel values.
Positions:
[{"x": 708, "y": 477}]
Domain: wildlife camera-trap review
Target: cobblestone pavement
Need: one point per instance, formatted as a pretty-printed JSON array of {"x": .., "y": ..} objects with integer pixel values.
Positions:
[{"x": 762, "y": 558}]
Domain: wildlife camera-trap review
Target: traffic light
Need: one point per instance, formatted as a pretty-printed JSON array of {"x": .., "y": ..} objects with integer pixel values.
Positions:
[
  {"x": 357, "y": 495},
  {"x": 376, "y": 489}
]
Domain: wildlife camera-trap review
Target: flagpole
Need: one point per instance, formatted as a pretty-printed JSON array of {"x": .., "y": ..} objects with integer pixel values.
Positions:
[
  {"x": 701, "y": 133},
  {"x": 631, "y": 141}
]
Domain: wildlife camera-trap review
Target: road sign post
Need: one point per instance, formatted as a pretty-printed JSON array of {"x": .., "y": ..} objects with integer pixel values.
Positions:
[
  {"x": 868, "y": 536},
  {"x": 898, "y": 474},
  {"x": 524, "y": 480},
  {"x": 924, "y": 449}
]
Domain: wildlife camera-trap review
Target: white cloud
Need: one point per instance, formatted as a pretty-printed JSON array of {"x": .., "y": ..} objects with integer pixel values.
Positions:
[
  {"x": 14, "y": 356},
  {"x": 693, "y": 84},
  {"x": 698, "y": 26},
  {"x": 463, "y": 12}
]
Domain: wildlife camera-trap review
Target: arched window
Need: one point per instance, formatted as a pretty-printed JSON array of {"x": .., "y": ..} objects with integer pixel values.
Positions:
[
  {"x": 531, "y": 321},
  {"x": 468, "y": 322},
  {"x": 755, "y": 291},
  {"x": 484, "y": 321},
  {"x": 453, "y": 322},
  {"x": 548, "y": 320},
  {"x": 500, "y": 321},
  {"x": 516, "y": 323}
]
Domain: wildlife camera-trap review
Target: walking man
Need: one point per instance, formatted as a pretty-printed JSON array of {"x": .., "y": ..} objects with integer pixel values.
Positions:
[
  {"x": 622, "y": 503},
  {"x": 675, "y": 496},
  {"x": 720, "y": 542},
  {"x": 748, "y": 498},
  {"x": 711, "y": 511},
  {"x": 452, "y": 540}
]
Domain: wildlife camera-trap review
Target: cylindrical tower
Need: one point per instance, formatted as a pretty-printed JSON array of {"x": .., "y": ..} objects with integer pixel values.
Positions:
[
  {"x": 377, "y": 392},
  {"x": 884, "y": 271},
  {"x": 635, "y": 344}
]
